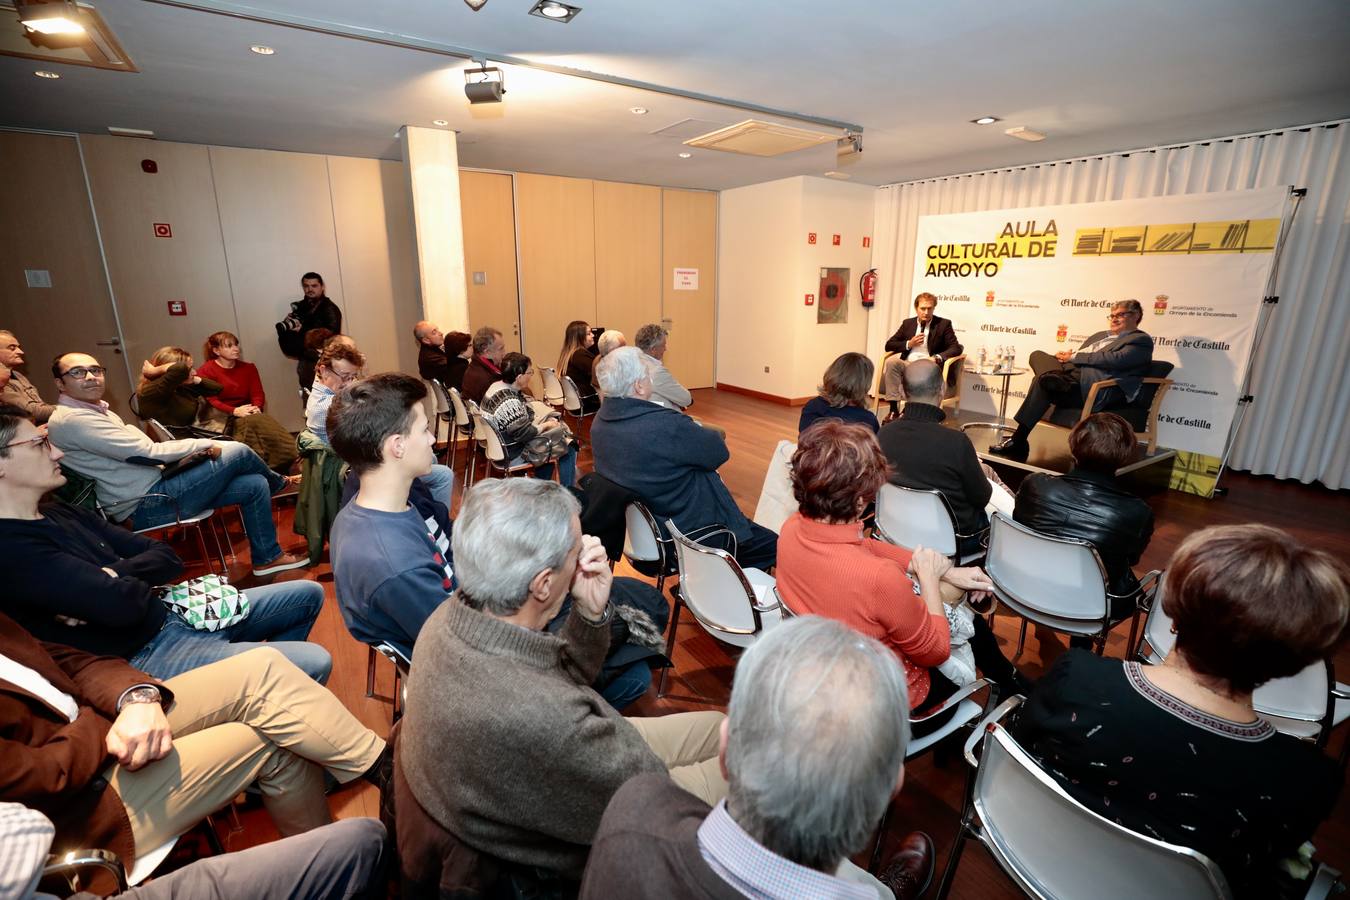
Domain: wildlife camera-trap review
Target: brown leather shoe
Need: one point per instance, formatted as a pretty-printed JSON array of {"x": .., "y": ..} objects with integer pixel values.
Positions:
[
  {"x": 910, "y": 871},
  {"x": 890, "y": 417}
]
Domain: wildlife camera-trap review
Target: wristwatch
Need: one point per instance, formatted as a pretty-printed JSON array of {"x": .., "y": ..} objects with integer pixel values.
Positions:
[{"x": 143, "y": 693}]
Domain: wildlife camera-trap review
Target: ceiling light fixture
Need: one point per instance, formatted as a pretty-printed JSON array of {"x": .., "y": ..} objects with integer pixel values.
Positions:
[
  {"x": 685, "y": 155},
  {"x": 43, "y": 73},
  {"x": 638, "y": 110},
  {"x": 485, "y": 84},
  {"x": 50, "y": 16},
  {"x": 1023, "y": 133},
  {"x": 440, "y": 122},
  {"x": 555, "y": 11},
  {"x": 985, "y": 120},
  {"x": 475, "y": 5},
  {"x": 262, "y": 49}
]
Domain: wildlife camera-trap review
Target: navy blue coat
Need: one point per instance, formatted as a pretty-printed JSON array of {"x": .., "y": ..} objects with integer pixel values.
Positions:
[
  {"x": 1126, "y": 360},
  {"x": 668, "y": 460}
]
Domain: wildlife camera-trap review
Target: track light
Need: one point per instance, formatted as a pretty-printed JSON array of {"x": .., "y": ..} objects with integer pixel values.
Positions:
[
  {"x": 50, "y": 16},
  {"x": 484, "y": 84}
]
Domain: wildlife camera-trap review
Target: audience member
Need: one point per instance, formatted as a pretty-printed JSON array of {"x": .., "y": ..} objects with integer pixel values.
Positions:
[
  {"x": 925, "y": 454},
  {"x": 827, "y": 566},
  {"x": 1123, "y": 353},
  {"x": 578, "y": 360},
  {"x": 74, "y": 578},
  {"x": 504, "y": 744},
  {"x": 339, "y": 366},
  {"x": 667, "y": 460},
  {"x": 442, "y": 356},
  {"x": 813, "y": 749},
  {"x": 529, "y": 430},
  {"x": 843, "y": 395},
  {"x": 610, "y": 339},
  {"x": 238, "y": 410},
  {"x": 1177, "y": 751},
  {"x": 15, "y": 388},
  {"x": 921, "y": 336},
  {"x": 170, "y": 392},
  {"x": 486, "y": 365},
  {"x": 654, "y": 341},
  {"x": 312, "y": 311},
  {"x": 126, "y": 465},
  {"x": 1089, "y": 504},
  {"x": 315, "y": 340},
  {"x": 341, "y": 859},
  {"x": 119, "y": 760}
]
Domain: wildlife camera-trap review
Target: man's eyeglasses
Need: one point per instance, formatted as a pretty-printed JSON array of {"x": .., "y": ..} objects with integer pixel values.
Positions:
[
  {"x": 42, "y": 442},
  {"x": 1118, "y": 315},
  {"x": 79, "y": 373}
]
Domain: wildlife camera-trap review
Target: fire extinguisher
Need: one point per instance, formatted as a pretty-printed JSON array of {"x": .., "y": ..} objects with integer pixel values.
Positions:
[{"x": 867, "y": 288}]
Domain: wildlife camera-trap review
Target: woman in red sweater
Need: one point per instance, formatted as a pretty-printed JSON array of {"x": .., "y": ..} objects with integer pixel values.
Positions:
[
  {"x": 828, "y": 567},
  {"x": 238, "y": 410}
]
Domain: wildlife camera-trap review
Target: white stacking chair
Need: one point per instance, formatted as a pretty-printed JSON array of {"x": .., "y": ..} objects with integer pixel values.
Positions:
[
  {"x": 1060, "y": 583},
  {"x": 910, "y": 518},
  {"x": 572, "y": 405},
  {"x": 494, "y": 446},
  {"x": 776, "y": 500},
  {"x": 463, "y": 427},
  {"x": 554, "y": 394},
  {"x": 402, "y": 665},
  {"x": 1307, "y": 705},
  {"x": 440, "y": 413},
  {"x": 643, "y": 546}
]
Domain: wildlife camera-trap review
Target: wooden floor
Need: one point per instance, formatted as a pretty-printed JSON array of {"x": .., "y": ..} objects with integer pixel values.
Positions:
[{"x": 932, "y": 794}]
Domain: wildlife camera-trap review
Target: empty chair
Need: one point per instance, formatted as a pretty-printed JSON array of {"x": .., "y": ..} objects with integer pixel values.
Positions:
[
  {"x": 572, "y": 405},
  {"x": 910, "y": 518},
  {"x": 463, "y": 428},
  {"x": 440, "y": 413},
  {"x": 554, "y": 394}
]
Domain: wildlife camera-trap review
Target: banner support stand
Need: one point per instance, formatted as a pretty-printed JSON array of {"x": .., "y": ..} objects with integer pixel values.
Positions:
[{"x": 1268, "y": 303}]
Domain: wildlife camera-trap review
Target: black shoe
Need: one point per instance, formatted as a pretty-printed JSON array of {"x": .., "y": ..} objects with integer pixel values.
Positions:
[
  {"x": 910, "y": 871},
  {"x": 381, "y": 772},
  {"x": 1012, "y": 684},
  {"x": 1012, "y": 447}
]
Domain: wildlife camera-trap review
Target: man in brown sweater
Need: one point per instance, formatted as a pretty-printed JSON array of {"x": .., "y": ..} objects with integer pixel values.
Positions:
[
  {"x": 814, "y": 748},
  {"x": 504, "y": 743}
]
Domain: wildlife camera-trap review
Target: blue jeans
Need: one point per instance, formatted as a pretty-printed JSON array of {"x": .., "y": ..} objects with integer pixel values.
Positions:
[
  {"x": 239, "y": 477},
  {"x": 441, "y": 482},
  {"x": 567, "y": 468},
  {"x": 281, "y": 614},
  {"x": 630, "y": 684}
]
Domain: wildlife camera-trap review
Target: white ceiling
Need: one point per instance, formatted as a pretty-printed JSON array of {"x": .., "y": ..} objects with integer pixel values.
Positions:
[{"x": 1094, "y": 76}]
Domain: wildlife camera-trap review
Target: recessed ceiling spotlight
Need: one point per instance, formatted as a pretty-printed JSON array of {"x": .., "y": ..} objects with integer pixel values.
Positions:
[
  {"x": 985, "y": 120},
  {"x": 557, "y": 12},
  {"x": 262, "y": 49},
  {"x": 43, "y": 73},
  {"x": 685, "y": 155},
  {"x": 638, "y": 110},
  {"x": 440, "y": 122}
]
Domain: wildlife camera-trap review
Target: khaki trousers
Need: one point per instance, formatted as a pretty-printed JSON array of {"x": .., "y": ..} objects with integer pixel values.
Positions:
[
  {"x": 687, "y": 743},
  {"x": 252, "y": 717},
  {"x": 891, "y": 388}
]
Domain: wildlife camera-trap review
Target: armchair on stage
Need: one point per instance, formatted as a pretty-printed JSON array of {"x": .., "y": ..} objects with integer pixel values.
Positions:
[
  {"x": 1142, "y": 413},
  {"x": 953, "y": 370}
]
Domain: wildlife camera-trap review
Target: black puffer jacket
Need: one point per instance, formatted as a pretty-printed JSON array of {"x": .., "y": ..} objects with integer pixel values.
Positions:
[{"x": 1091, "y": 507}]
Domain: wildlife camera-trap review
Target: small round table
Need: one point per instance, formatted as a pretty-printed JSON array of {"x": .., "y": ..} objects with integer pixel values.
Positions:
[{"x": 1005, "y": 373}]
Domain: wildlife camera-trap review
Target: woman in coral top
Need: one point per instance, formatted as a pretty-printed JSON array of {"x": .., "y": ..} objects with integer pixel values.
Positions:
[
  {"x": 238, "y": 410},
  {"x": 828, "y": 567}
]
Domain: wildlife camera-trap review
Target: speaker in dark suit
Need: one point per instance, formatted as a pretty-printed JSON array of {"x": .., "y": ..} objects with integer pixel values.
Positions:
[{"x": 921, "y": 336}]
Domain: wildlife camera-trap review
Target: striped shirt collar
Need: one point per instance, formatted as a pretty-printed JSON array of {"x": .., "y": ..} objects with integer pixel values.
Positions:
[{"x": 756, "y": 872}]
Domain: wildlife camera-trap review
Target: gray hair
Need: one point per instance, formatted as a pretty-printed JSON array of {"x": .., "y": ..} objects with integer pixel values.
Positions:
[
  {"x": 483, "y": 338},
  {"x": 621, "y": 371},
  {"x": 922, "y": 380},
  {"x": 610, "y": 340},
  {"x": 817, "y": 729},
  {"x": 508, "y": 531},
  {"x": 649, "y": 337},
  {"x": 1133, "y": 307}
]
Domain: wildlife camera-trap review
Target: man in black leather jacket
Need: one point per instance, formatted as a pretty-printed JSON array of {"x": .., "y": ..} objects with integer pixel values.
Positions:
[{"x": 1088, "y": 504}]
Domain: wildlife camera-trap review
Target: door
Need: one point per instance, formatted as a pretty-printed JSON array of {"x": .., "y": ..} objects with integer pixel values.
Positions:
[
  {"x": 689, "y": 243},
  {"x": 47, "y": 236},
  {"x": 627, "y": 256},
  {"x": 557, "y": 259},
  {"x": 487, "y": 208}
]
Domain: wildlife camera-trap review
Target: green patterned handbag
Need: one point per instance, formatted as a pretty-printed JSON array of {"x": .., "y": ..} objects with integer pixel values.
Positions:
[{"x": 208, "y": 603}]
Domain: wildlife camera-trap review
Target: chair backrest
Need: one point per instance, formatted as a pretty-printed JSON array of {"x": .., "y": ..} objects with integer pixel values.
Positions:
[
  {"x": 494, "y": 448},
  {"x": 437, "y": 392},
  {"x": 461, "y": 413},
  {"x": 158, "y": 431},
  {"x": 642, "y": 537},
  {"x": 1054, "y": 847},
  {"x": 1059, "y": 577},
  {"x": 571, "y": 396},
  {"x": 480, "y": 430},
  {"x": 914, "y": 518},
  {"x": 776, "y": 500},
  {"x": 134, "y": 401},
  {"x": 553, "y": 389},
  {"x": 714, "y": 587}
]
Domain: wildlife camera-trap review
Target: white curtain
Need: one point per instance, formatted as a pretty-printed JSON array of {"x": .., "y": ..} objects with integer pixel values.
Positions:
[{"x": 1298, "y": 425}]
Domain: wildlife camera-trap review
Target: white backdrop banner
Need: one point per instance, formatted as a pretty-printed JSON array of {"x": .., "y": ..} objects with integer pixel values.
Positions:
[{"x": 1044, "y": 278}]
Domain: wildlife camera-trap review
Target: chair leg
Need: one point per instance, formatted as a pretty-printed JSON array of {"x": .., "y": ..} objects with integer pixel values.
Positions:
[
  {"x": 201, "y": 543},
  {"x": 1134, "y": 630},
  {"x": 1021, "y": 641},
  {"x": 398, "y": 696},
  {"x": 220, "y": 549},
  {"x": 670, "y": 645},
  {"x": 370, "y": 671},
  {"x": 949, "y": 871},
  {"x": 881, "y": 837}
]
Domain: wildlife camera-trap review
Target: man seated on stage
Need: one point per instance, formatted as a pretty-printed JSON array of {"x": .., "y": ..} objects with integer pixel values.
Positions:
[
  {"x": 126, "y": 466},
  {"x": 921, "y": 336},
  {"x": 1063, "y": 380},
  {"x": 814, "y": 749},
  {"x": 505, "y": 746},
  {"x": 666, "y": 459},
  {"x": 927, "y": 455}
]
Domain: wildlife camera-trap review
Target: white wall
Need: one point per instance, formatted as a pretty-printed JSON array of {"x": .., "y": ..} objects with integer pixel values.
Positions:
[{"x": 766, "y": 269}]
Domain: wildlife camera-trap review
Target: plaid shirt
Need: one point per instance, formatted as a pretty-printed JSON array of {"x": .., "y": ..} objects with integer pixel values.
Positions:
[{"x": 759, "y": 873}]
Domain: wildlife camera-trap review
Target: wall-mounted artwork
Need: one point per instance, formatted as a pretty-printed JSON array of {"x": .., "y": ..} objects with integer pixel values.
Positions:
[{"x": 833, "y": 305}]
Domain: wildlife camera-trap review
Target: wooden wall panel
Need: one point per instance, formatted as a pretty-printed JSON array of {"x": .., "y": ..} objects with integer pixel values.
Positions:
[
  {"x": 377, "y": 255},
  {"x": 627, "y": 256},
  {"x": 148, "y": 271},
  {"x": 557, "y": 259},
  {"x": 46, "y": 223},
  {"x": 276, "y": 217},
  {"x": 689, "y": 240},
  {"x": 487, "y": 206}
]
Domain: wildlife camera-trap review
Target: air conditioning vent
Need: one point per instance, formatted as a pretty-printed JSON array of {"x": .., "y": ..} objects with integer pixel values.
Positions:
[{"x": 755, "y": 138}]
